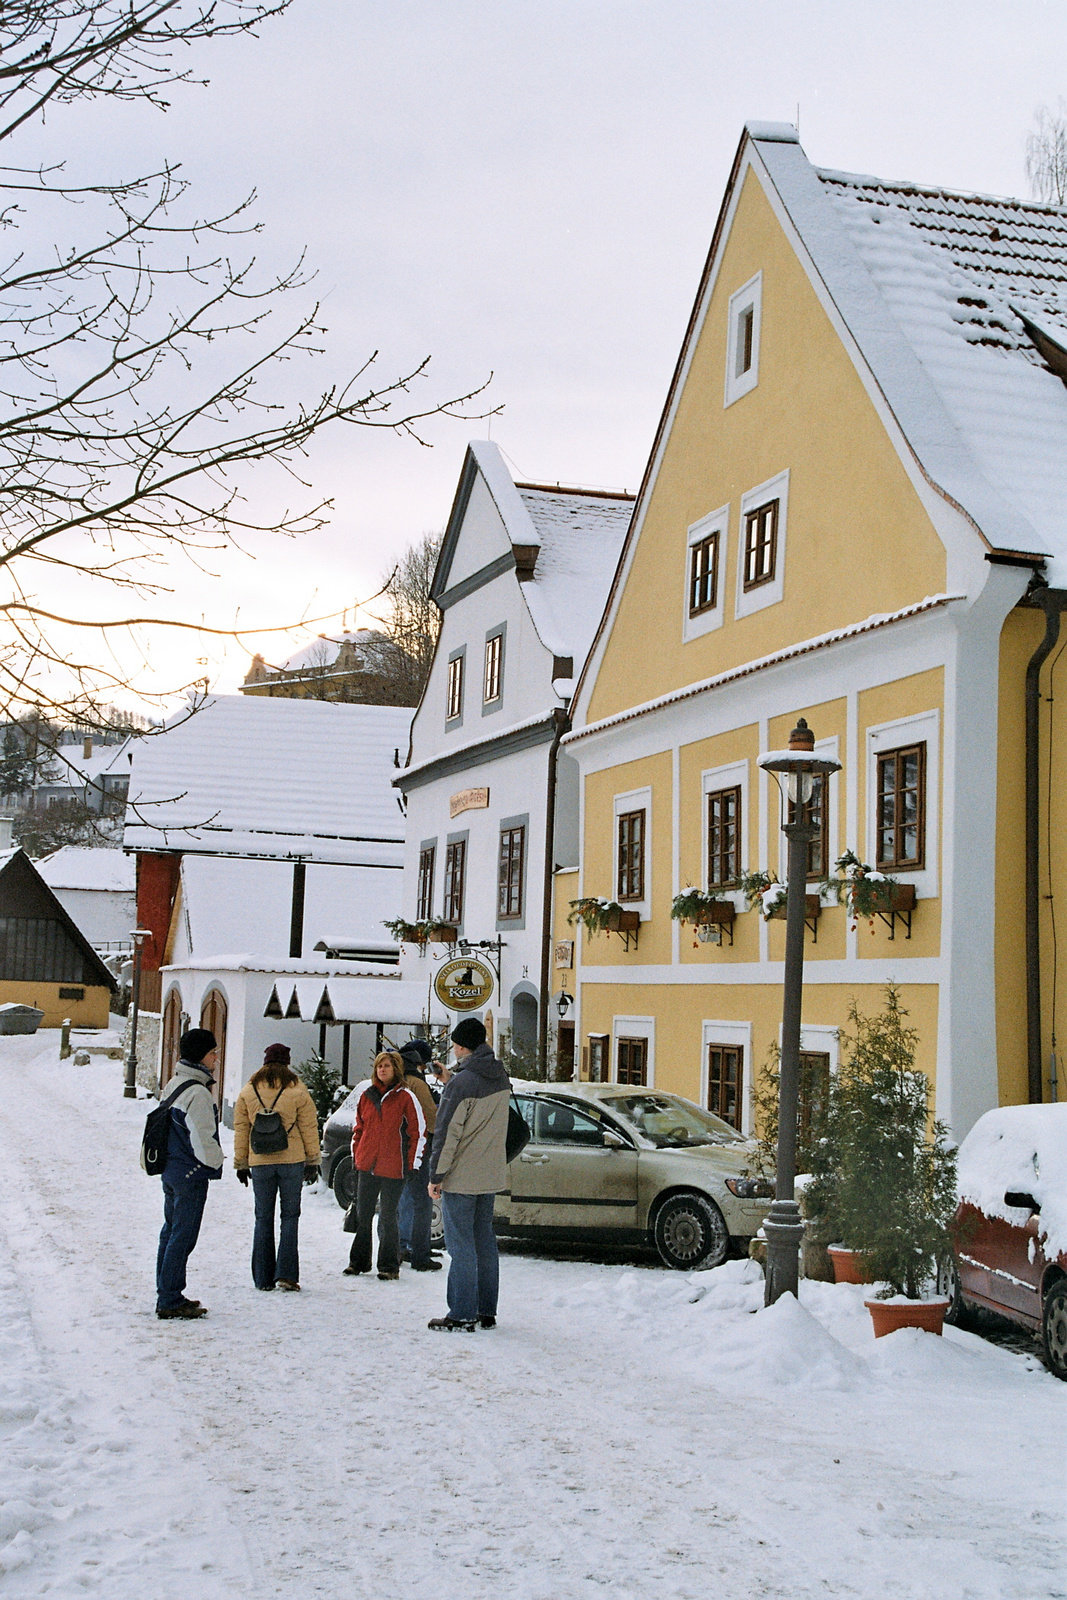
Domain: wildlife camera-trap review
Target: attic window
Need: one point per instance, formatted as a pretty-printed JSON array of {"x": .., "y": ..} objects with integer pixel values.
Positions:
[{"x": 743, "y": 339}]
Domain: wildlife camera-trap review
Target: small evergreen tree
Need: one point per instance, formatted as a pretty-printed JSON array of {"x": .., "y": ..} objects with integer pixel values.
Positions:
[
  {"x": 16, "y": 768},
  {"x": 884, "y": 1175},
  {"x": 324, "y": 1086}
]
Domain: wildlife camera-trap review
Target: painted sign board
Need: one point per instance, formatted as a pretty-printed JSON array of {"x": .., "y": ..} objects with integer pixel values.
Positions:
[
  {"x": 564, "y": 953},
  {"x": 468, "y": 800},
  {"x": 464, "y": 984}
]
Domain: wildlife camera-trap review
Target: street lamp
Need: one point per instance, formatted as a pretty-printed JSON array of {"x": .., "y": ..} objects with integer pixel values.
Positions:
[
  {"x": 129, "y": 1090},
  {"x": 563, "y": 1003},
  {"x": 783, "y": 1226}
]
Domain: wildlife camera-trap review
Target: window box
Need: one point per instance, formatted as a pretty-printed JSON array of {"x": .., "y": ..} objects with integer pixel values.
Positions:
[
  {"x": 812, "y": 910},
  {"x": 606, "y": 916},
  {"x": 705, "y": 912},
  {"x": 620, "y": 921},
  {"x": 442, "y": 933}
]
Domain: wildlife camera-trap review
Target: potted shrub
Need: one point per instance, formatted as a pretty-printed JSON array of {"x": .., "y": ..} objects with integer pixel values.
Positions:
[
  {"x": 884, "y": 1176},
  {"x": 407, "y": 932},
  {"x": 704, "y": 912}
]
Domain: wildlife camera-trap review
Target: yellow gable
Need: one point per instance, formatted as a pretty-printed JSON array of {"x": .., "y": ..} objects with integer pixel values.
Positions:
[{"x": 854, "y": 538}]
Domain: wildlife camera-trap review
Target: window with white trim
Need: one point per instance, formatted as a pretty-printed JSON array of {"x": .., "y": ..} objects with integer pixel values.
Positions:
[
  {"x": 743, "y": 339},
  {"x": 705, "y": 568},
  {"x": 761, "y": 544}
]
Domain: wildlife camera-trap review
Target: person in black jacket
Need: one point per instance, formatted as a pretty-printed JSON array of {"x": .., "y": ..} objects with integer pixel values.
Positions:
[{"x": 194, "y": 1158}]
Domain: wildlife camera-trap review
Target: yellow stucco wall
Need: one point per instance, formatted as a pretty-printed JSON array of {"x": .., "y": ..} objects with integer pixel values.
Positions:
[
  {"x": 654, "y": 943},
  {"x": 848, "y": 492},
  {"x": 92, "y": 1012},
  {"x": 680, "y": 1011}
]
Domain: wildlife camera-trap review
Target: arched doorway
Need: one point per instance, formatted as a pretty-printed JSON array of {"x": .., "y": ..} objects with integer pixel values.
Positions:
[
  {"x": 172, "y": 1032},
  {"x": 213, "y": 1010},
  {"x": 524, "y": 1031}
]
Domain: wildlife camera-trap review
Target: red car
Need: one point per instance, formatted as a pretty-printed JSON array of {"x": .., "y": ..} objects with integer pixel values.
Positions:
[{"x": 1010, "y": 1229}]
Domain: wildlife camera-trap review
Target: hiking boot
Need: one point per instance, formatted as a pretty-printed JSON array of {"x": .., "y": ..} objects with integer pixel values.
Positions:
[
  {"x": 486, "y": 1322},
  {"x": 354, "y": 1272},
  {"x": 186, "y": 1302},
  {"x": 425, "y": 1266},
  {"x": 452, "y": 1324},
  {"x": 287, "y": 1283},
  {"x": 388, "y": 1277},
  {"x": 183, "y": 1313}
]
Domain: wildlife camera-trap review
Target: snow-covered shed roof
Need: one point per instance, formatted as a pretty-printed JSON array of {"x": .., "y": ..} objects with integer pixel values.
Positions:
[
  {"x": 76, "y": 866},
  {"x": 272, "y": 777},
  {"x": 958, "y": 304}
]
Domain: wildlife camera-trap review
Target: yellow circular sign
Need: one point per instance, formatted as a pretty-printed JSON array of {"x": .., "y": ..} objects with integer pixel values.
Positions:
[{"x": 464, "y": 984}]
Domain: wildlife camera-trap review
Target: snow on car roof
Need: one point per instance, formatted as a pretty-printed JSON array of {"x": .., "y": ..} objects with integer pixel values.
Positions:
[{"x": 1020, "y": 1148}]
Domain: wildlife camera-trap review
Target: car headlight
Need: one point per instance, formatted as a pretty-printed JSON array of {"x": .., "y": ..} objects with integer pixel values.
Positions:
[{"x": 751, "y": 1188}]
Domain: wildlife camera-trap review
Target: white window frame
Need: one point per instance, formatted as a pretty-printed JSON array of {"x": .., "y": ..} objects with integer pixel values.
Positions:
[
  {"x": 715, "y": 522},
  {"x": 771, "y": 592},
  {"x": 822, "y": 1040},
  {"x": 736, "y": 1034},
  {"x": 733, "y": 775},
  {"x": 823, "y": 747},
  {"x": 633, "y": 1028},
  {"x": 749, "y": 296},
  {"x": 635, "y": 800},
  {"x": 923, "y": 727}
]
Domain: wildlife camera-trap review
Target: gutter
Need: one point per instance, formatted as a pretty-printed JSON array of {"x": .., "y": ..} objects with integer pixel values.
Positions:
[
  {"x": 1052, "y": 602},
  {"x": 562, "y": 723}
]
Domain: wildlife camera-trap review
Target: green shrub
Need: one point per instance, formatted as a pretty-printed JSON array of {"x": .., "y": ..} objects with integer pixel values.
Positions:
[{"x": 324, "y": 1086}]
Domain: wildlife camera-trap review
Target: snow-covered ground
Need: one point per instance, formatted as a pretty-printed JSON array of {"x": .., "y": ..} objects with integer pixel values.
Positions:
[{"x": 624, "y": 1431}]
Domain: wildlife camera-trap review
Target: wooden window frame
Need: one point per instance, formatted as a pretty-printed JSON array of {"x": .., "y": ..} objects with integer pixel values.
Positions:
[
  {"x": 883, "y": 759},
  {"x": 454, "y": 690},
  {"x": 704, "y": 574},
  {"x": 454, "y": 882},
  {"x": 719, "y": 1083},
  {"x": 757, "y": 546},
  {"x": 810, "y": 1062},
  {"x": 719, "y": 797},
  {"x": 510, "y": 874},
  {"x": 746, "y": 327},
  {"x": 630, "y": 879},
  {"x": 427, "y": 867},
  {"x": 630, "y": 1046},
  {"x": 492, "y": 678}
]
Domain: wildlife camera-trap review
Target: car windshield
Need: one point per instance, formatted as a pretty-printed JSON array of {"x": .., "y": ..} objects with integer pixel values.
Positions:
[{"x": 671, "y": 1122}]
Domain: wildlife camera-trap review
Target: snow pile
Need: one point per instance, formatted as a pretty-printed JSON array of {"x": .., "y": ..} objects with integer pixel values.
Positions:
[
  {"x": 1020, "y": 1148},
  {"x": 784, "y": 1346}
]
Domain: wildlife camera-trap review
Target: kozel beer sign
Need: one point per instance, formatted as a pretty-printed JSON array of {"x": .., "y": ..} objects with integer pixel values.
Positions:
[{"x": 464, "y": 984}]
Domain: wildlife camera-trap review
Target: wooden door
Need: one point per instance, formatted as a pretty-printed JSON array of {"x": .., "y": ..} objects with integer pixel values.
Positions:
[
  {"x": 213, "y": 1010},
  {"x": 172, "y": 1032}
]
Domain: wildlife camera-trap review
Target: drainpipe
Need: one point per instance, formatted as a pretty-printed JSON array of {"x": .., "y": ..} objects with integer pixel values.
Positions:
[
  {"x": 1052, "y": 602},
  {"x": 562, "y": 724}
]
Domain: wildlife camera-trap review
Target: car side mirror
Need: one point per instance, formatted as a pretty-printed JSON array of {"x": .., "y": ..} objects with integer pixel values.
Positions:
[
  {"x": 614, "y": 1141},
  {"x": 1021, "y": 1201}
]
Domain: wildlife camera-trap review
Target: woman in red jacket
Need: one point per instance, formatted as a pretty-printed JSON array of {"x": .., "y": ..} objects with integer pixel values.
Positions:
[{"x": 387, "y": 1142}]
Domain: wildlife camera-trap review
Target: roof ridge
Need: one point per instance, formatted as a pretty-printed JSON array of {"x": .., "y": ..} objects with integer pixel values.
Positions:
[{"x": 912, "y": 186}]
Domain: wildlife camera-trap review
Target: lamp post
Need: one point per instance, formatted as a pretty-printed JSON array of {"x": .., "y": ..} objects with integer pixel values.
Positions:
[
  {"x": 129, "y": 1090},
  {"x": 783, "y": 1226}
]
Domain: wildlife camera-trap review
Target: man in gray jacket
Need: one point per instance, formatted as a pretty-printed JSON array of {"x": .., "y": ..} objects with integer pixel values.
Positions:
[
  {"x": 194, "y": 1158},
  {"x": 467, "y": 1169}
]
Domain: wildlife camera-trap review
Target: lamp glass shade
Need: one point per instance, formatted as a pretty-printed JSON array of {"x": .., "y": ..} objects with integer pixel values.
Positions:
[{"x": 800, "y": 786}]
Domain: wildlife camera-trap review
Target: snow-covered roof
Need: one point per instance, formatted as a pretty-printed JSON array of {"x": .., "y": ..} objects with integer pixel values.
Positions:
[
  {"x": 322, "y": 652},
  {"x": 581, "y": 535},
  {"x": 89, "y": 867},
  {"x": 71, "y": 767},
  {"x": 231, "y": 905},
  {"x": 252, "y": 775}
]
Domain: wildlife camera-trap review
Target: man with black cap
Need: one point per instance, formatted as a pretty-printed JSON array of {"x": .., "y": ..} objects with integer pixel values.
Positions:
[
  {"x": 415, "y": 1213},
  {"x": 194, "y": 1157},
  {"x": 468, "y": 1168}
]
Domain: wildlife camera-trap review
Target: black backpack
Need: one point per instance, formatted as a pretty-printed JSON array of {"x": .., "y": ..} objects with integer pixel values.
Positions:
[
  {"x": 157, "y": 1133},
  {"x": 269, "y": 1135},
  {"x": 518, "y": 1133}
]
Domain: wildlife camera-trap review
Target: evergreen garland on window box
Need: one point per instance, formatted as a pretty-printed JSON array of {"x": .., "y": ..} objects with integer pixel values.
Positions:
[
  {"x": 864, "y": 891},
  {"x": 598, "y": 915},
  {"x": 702, "y": 910}
]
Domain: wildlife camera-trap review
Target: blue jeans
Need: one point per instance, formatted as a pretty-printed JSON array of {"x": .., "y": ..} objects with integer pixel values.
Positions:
[
  {"x": 474, "y": 1271},
  {"x": 183, "y": 1207},
  {"x": 415, "y": 1213},
  {"x": 268, "y": 1182}
]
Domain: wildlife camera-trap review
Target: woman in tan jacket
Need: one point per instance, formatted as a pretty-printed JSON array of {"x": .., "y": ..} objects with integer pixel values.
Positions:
[{"x": 276, "y": 1143}]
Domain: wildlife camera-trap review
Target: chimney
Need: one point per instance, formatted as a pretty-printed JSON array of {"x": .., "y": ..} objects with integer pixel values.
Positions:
[
  {"x": 5, "y": 832},
  {"x": 87, "y": 748}
]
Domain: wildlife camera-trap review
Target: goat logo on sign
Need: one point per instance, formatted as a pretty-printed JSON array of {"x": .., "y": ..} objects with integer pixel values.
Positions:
[{"x": 464, "y": 984}]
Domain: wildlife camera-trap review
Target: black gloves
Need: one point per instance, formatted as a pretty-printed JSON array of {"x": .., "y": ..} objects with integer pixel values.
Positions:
[
  {"x": 241, "y": 1174},
  {"x": 311, "y": 1173}
]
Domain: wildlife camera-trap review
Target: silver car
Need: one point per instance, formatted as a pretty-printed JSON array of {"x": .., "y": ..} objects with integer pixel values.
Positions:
[{"x": 612, "y": 1163}]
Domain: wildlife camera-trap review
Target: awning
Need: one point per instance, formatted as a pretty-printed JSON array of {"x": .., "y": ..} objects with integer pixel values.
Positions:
[{"x": 391, "y": 1000}]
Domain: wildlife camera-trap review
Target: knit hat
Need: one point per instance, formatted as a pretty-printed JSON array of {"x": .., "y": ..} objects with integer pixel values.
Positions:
[
  {"x": 276, "y": 1055},
  {"x": 417, "y": 1050},
  {"x": 469, "y": 1033},
  {"x": 196, "y": 1044}
]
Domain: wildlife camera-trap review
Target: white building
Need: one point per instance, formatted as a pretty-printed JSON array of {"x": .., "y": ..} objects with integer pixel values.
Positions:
[
  {"x": 269, "y": 851},
  {"x": 492, "y": 803},
  {"x": 98, "y": 890}
]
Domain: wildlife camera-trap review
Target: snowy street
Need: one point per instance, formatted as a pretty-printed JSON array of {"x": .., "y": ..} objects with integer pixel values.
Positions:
[{"x": 624, "y": 1431}]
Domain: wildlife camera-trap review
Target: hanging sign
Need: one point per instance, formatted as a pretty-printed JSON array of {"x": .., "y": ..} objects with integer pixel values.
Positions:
[
  {"x": 464, "y": 984},
  {"x": 468, "y": 800}
]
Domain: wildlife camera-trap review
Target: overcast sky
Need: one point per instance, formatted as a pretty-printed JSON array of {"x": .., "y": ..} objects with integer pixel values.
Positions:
[{"x": 527, "y": 188}]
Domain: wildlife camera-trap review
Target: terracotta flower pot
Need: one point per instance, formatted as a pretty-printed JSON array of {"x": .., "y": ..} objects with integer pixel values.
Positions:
[
  {"x": 889, "y": 1315},
  {"x": 846, "y": 1264}
]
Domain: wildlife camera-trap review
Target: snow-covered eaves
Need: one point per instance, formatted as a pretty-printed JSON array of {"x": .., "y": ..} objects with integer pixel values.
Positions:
[
  {"x": 272, "y": 778},
  {"x": 333, "y": 991},
  {"x": 538, "y": 729},
  {"x": 761, "y": 664}
]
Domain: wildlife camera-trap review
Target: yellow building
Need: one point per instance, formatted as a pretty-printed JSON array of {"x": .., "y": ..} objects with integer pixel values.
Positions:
[{"x": 854, "y": 511}]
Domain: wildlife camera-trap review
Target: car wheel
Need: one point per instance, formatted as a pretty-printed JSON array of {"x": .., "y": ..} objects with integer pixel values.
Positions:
[
  {"x": 690, "y": 1233},
  {"x": 1054, "y": 1328},
  {"x": 948, "y": 1284},
  {"x": 343, "y": 1182}
]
